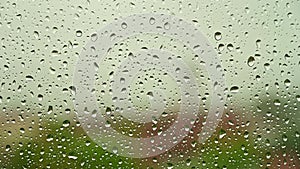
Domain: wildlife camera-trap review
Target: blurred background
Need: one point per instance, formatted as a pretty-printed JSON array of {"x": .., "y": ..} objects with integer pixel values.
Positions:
[{"x": 257, "y": 43}]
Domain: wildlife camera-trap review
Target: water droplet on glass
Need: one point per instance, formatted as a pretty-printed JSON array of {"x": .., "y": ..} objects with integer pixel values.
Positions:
[
  {"x": 78, "y": 33},
  {"x": 251, "y": 61},
  {"x": 152, "y": 21},
  {"x": 66, "y": 123},
  {"x": 287, "y": 82},
  {"x": 277, "y": 102},
  {"x": 230, "y": 47},
  {"x": 298, "y": 98},
  {"x": 167, "y": 26},
  {"x": 218, "y": 36},
  {"x": 124, "y": 25},
  {"x": 94, "y": 37},
  {"x": 234, "y": 89}
]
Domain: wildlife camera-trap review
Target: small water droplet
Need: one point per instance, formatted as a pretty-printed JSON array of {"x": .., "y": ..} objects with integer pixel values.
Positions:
[
  {"x": 66, "y": 123},
  {"x": 298, "y": 98},
  {"x": 115, "y": 150},
  {"x": 29, "y": 78},
  {"x": 287, "y": 82},
  {"x": 267, "y": 66},
  {"x": 40, "y": 97},
  {"x": 167, "y": 26},
  {"x": 230, "y": 47},
  {"x": 258, "y": 41},
  {"x": 221, "y": 47},
  {"x": 277, "y": 102},
  {"x": 124, "y": 25},
  {"x": 268, "y": 155},
  {"x": 251, "y": 61},
  {"x": 78, "y": 33},
  {"x": 36, "y": 34},
  {"x": 152, "y": 21},
  {"x": 218, "y": 36},
  {"x": 234, "y": 89},
  {"x": 284, "y": 138},
  {"x": 222, "y": 134},
  {"x": 94, "y": 37}
]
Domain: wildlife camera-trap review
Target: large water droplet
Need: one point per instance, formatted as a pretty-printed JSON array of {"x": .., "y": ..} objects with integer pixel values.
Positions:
[
  {"x": 251, "y": 61},
  {"x": 218, "y": 36}
]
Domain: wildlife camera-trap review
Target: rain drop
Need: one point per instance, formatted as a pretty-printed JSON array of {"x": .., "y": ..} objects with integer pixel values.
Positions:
[
  {"x": 251, "y": 61},
  {"x": 218, "y": 36}
]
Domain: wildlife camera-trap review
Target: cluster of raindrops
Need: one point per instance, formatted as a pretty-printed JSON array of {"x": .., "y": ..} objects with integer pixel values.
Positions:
[
  {"x": 152, "y": 77},
  {"x": 257, "y": 43}
]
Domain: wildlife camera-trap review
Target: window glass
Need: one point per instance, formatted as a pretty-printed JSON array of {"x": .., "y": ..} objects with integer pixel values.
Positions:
[{"x": 149, "y": 84}]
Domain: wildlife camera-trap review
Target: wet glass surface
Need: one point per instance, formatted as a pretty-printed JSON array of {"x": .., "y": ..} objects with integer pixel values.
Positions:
[{"x": 150, "y": 84}]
